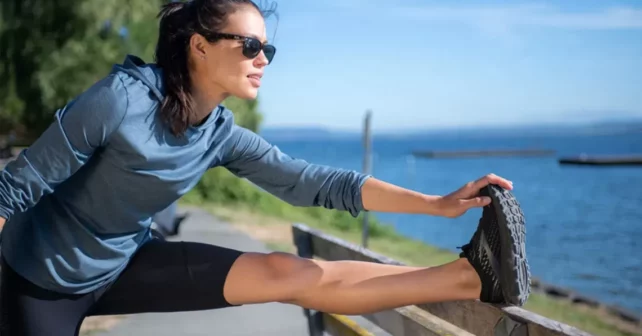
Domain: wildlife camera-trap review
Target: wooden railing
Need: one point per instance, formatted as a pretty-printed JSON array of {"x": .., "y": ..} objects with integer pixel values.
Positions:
[{"x": 456, "y": 318}]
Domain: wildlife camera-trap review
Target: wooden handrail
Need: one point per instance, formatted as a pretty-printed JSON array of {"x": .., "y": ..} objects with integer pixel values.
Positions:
[{"x": 453, "y": 318}]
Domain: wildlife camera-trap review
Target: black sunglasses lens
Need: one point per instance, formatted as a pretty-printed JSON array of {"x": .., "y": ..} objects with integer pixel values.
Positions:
[
  {"x": 251, "y": 48},
  {"x": 269, "y": 51}
]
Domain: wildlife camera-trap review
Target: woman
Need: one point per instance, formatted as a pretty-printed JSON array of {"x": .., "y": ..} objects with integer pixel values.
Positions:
[{"x": 78, "y": 203}]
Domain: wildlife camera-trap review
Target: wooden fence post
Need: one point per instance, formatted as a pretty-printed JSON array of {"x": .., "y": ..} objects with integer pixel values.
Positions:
[{"x": 367, "y": 169}]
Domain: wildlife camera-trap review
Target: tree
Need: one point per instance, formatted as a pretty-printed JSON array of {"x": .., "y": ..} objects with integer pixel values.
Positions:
[{"x": 51, "y": 51}]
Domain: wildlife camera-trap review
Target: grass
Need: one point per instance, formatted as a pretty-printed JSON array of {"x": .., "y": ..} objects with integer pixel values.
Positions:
[{"x": 268, "y": 219}]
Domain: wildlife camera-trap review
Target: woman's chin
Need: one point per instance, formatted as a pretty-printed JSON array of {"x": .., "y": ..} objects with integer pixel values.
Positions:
[{"x": 247, "y": 93}]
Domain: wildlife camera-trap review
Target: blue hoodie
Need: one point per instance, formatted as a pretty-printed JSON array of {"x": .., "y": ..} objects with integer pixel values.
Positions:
[{"x": 79, "y": 200}]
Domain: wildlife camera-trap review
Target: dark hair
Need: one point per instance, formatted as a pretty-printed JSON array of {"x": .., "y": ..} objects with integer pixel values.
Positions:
[{"x": 178, "y": 22}]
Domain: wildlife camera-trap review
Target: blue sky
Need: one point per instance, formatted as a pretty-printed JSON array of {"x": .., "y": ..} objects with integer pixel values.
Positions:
[{"x": 421, "y": 63}]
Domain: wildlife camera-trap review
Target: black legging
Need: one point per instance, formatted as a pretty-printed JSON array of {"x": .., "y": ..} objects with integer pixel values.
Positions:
[{"x": 161, "y": 277}]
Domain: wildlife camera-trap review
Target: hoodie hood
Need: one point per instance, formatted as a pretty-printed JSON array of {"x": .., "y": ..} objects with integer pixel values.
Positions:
[{"x": 150, "y": 74}]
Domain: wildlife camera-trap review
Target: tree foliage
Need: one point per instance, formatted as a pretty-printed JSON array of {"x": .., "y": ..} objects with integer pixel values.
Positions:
[{"x": 50, "y": 51}]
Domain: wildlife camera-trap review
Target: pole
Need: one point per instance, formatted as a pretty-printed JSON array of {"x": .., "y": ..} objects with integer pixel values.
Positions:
[{"x": 367, "y": 168}]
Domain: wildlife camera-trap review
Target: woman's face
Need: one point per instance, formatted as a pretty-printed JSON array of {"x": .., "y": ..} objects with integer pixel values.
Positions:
[{"x": 234, "y": 65}]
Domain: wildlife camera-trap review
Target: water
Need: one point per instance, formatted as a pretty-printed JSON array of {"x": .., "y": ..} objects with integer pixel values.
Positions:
[{"x": 584, "y": 224}]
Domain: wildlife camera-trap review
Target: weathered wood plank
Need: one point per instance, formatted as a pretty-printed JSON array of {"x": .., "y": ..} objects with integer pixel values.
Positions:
[
  {"x": 482, "y": 317},
  {"x": 339, "y": 325},
  {"x": 469, "y": 315},
  {"x": 474, "y": 316},
  {"x": 413, "y": 321}
]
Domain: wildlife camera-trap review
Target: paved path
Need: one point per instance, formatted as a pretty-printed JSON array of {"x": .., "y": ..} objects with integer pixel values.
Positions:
[{"x": 265, "y": 319}]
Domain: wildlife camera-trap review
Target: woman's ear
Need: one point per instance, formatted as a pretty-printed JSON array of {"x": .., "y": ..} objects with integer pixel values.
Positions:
[{"x": 198, "y": 46}]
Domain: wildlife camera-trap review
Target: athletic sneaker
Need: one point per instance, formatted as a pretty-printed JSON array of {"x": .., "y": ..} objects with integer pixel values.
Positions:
[{"x": 497, "y": 250}]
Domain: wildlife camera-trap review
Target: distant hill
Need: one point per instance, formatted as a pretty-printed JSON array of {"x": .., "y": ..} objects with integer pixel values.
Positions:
[{"x": 606, "y": 126}]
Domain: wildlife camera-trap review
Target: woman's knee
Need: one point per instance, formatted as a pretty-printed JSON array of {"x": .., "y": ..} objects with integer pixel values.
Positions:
[
  {"x": 284, "y": 266},
  {"x": 293, "y": 275},
  {"x": 274, "y": 276}
]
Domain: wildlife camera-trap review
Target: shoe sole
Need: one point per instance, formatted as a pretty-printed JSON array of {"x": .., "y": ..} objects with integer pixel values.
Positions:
[{"x": 515, "y": 273}]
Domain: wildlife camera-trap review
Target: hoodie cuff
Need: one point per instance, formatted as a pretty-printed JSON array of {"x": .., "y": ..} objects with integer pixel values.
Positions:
[{"x": 357, "y": 195}]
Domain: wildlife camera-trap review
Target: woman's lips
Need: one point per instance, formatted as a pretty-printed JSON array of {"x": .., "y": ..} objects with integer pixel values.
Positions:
[{"x": 255, "y": 80}]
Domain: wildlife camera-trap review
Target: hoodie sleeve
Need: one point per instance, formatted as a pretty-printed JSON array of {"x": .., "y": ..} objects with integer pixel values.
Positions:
[
  {"x": 77, "y": 130},
  {"x": 292, "y": 180}
]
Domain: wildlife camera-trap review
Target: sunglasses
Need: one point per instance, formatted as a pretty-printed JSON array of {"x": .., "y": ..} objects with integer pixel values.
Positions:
[{"x": 251, "y": 46}]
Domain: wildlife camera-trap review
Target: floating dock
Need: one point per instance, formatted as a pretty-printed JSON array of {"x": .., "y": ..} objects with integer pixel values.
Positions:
[
  {"x": 602, "y": 160},
  {"x": 483, "y": 153}
]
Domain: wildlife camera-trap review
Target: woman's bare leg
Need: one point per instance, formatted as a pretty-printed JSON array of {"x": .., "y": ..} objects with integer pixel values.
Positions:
[{"x": 346, "y": 287}]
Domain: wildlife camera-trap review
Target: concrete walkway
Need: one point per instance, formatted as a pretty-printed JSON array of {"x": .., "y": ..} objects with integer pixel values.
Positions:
[{"x": 265, "y": 319}]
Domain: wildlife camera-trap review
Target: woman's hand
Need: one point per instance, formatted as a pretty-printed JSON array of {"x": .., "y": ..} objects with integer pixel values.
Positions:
[
  {"x": 385, "y": 197},
  {"x": 458, "y": 202}
]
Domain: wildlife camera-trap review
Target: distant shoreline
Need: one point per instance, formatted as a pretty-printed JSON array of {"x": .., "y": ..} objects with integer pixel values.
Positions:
[{"x": 624, "y": 126}]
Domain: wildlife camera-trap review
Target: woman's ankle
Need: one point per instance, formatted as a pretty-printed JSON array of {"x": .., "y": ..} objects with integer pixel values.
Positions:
[{"x": 469, "y": 280}]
